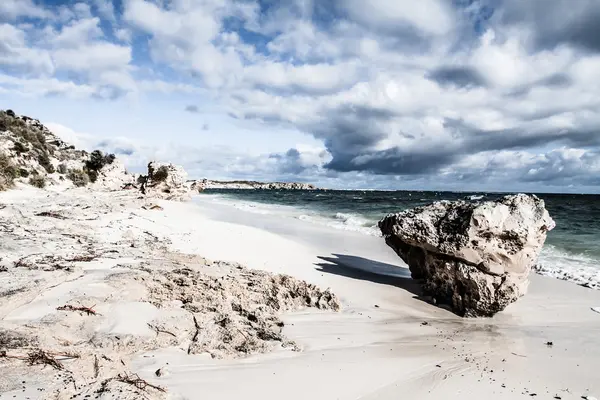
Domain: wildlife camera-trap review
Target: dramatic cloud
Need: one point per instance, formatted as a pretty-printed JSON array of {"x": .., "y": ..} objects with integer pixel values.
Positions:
[{"x": 397, "y": 93}]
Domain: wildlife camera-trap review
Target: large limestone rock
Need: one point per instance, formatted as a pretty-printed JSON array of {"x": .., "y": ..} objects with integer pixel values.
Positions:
[
  {"x": 113, "y": 177},
  {"x": 475, "y": 257},
  {"x": 165, "y": 181}
]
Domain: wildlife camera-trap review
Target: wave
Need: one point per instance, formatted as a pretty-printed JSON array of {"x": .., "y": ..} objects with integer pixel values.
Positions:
[
  {"x": 563, "y": 265},
  {"x": 343, "y": 221},
  {"x": 476, "y": 197}
]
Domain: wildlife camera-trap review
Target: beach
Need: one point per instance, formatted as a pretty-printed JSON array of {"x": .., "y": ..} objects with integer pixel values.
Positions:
[{"x": 386, "y": 341}]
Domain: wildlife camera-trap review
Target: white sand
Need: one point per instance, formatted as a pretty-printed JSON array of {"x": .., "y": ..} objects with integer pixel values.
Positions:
[
  {"x": 377, "y": 347},
  {"x": 384, "y": 352}
]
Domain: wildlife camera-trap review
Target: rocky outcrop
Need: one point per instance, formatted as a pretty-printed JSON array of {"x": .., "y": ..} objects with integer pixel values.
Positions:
[
  {"x": 474, "y": 257},
  {"x": 34, "y": 154},
  {"x": 200, "y": 185},
  {"x": 165, "y": 181},
  {"x": 113, "y": 177}
]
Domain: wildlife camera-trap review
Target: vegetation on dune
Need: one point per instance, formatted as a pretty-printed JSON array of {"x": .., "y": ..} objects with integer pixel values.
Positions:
[
  {"x": 78, "y": 177},
  {"x": 96, "y": 162},
  {"x": 8, "y": 172},
  {"x": 32, "y": 141},
  {"x": 38, "y": 181},
  {"x": 161, "y": 174}
]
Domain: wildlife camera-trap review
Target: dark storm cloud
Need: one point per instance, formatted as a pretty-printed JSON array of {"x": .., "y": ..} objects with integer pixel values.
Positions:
[
  {"x": 556, "y": 22},
  {"x": 393, "y": 161},
  {"x": 559, "y": 80},
  {"x": 351, "y": 142},
  {"x": 457, "y": 76},
  {"x": 555, "y": 81}
]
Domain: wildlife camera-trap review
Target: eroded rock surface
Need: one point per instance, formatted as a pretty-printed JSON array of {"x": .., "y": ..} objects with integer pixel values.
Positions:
[
  {"x": 475, "y": 257},
  {"x": 166, "y": 181}
]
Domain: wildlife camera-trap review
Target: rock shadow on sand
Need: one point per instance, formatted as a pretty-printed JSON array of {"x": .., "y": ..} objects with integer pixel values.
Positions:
[{"x": 369, "y": 270}]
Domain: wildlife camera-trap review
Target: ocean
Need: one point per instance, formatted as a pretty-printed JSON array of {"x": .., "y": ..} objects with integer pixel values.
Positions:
[{"x": 571, "y": 252}]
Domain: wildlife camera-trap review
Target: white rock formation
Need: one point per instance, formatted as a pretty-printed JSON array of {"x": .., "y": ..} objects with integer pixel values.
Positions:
[
  {"x": 113, "y": 177},
  {"x": 165, "y": 181},
  {"x": 475, "y": 257},
  {"x": 198, "y": 186}
]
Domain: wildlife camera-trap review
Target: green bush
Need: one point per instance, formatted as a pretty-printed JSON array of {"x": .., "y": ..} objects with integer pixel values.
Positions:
[
  {"x": 44, "y": 161},
  {"x": 23, "y": 173},
  {"x": 62, "y": 168},
  {"x": 8, "y": 172},
  {"x": 20, "y": 148},
  {"x": 98, "y": 160},
  {"x": 93, "y": 175},
  {"x": 38, "y": 181},
  {"x": 161, "y": 174},
  {"x": 78, "y": 177}
]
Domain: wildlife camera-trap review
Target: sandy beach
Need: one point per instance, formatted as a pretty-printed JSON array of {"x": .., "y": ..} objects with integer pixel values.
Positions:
[{"x": 386, "y": 342}]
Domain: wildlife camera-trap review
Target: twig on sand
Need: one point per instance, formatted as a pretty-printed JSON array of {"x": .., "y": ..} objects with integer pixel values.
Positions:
[
  {"x": 518, "y": 355},
  {"x": 138, "y": 382},
  {"x": 82, "y": 258},
  {"x": 160, "y": 330},
  {"x": 69, "y": 307},
  {"x": 96, "y": 366},
  {"x": 197, "y": 325},
  {"x": 50, "y": 214}
]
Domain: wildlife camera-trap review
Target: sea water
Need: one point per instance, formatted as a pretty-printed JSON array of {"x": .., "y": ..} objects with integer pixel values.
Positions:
[{"x": 571, "y": 252}]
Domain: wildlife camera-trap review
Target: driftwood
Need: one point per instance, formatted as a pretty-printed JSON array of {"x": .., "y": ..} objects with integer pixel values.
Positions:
[
  {"x": 40, "y": 357},
  {"x": 69, "y": 307},
  {"x": 50, "y": 214},
  {"x": 133, "y": 380}
]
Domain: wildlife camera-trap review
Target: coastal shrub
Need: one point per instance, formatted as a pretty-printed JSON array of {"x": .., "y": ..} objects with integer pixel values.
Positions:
[
  {"x": 98, "y": 160},
  {"x": 23, "y": 173},
  {"x": 78, "y": 177},
  {"x": 62, "y": 168},
  {"x": 93, "y": 175},
  {"x": 20, "y": 148},
  {"x": 161, "y": 174},
  {"x": 38, "y": 181},
  {"x": 44, "y": 161},
  {"x": 8, "y": 172}
]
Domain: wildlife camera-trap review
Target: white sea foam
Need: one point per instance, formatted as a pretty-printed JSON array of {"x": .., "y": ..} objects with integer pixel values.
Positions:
[
  {"x": 341, "y": 221},
  {"x": 562, "y": 265},
  {"x": 476, "y": 197}
]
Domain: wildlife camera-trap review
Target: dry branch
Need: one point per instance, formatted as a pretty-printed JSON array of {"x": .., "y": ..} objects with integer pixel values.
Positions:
[
  {"x": 40, "y": 357},
  {"x": 50, "y": 214},
  {"x": 69, "y": 307},
  {"x": 138, "y": 382}
]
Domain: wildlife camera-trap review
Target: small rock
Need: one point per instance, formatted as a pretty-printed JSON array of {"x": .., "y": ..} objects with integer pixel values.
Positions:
[{"x": 161, "y": 372}]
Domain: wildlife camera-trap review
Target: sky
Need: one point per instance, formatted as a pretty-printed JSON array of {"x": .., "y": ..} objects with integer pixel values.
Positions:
[{"x": 475, "y": 95}]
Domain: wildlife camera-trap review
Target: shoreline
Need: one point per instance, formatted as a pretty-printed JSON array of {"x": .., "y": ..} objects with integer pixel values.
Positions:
[{"x": 384, "y": 343}]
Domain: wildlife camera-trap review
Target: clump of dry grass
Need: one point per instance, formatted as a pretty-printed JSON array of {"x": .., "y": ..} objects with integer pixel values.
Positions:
[{"x": 8, "y": 172}]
